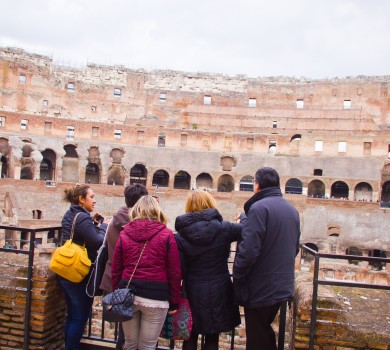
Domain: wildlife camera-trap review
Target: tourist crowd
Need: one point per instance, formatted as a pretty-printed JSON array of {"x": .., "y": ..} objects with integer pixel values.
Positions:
[{"x": 161, "y": 265}]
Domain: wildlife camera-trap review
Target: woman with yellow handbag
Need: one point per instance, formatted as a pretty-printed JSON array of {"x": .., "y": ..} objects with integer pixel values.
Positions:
[{"x": 84, "y": 230}]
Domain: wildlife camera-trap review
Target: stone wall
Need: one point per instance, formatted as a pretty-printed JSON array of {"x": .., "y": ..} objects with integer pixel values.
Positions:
[{"x": 347, "y": 318}]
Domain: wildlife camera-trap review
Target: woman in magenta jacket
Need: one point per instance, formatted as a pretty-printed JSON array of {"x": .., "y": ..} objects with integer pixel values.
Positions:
[{"x": 157, "y": 278}]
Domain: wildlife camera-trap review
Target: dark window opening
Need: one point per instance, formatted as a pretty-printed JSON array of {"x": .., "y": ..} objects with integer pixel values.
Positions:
[{"x": 293, "y": 186}]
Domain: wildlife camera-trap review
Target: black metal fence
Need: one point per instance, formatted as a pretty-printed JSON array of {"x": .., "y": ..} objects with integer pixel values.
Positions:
[
  {"x": 21, "y": 241},
  {"x": 317, "y": 282}
]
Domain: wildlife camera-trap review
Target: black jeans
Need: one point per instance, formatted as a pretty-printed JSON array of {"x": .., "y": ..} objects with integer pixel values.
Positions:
[
  {"x": 258, "y": 326},
  {"x": 210, "y": 342}
]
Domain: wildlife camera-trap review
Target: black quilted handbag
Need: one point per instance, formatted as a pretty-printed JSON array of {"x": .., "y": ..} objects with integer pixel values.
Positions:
[{"x": 118, "y": 305}]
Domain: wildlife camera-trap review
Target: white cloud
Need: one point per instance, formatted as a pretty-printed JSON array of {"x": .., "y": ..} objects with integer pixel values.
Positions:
[{"x": 317, "y": 39}]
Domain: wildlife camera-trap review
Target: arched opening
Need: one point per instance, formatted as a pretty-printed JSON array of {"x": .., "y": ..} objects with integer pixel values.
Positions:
[
  {"x": 92, "y": 174},
  {"x": 182, "y": 181},
  {"x": 225, "y": 183},
  {"x": 247, "y": 183},
  {"x": 70, "y": 164},
  {"x": 296, "y": 137},
  {"x": 4, "y": 165},
  {"x": 385, "y": 195},
  {"x": 339, "y": 190},
  {"x": 37, "y": 214},
  {"x": 363, "y": 192},
  {"x": 316, "y": 189},
  {"x": 116, "y": 175},
  {"x": 160, "y": 178},
  {"x": 353, "y": 251},
  {"x": 272, "y": 148},
  {"x": 293, "y": 186},
  {"x": 138, "y": 174},
  {"x": 26, "y": 172},
  {"x": 4, "y": 147},
  {"x": 377, "y": 253},
  {"x": 46, "y": 170},
  {"x": 204, "y": 181}
]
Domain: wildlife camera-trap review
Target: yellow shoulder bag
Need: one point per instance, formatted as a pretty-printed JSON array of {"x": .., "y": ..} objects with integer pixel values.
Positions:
[{"x": 71, "y": 261}]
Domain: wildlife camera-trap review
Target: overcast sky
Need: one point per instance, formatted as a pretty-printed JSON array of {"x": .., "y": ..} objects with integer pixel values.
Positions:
[{"x": 311, "y": 38}]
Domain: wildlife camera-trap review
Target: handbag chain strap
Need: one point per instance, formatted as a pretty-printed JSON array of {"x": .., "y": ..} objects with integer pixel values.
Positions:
[{"x": 135, "y": 268}]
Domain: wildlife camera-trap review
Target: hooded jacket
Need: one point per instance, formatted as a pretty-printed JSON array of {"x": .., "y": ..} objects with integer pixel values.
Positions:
[
  {"x": 158, "y": 274},
  {"x": 263, "y": 271},
  {"x": 204, "y": 240}
]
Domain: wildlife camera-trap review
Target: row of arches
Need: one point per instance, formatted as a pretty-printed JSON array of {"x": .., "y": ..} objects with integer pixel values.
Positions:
[
  {"x": 116, "y": 175},
  {"x": 362, "y": 192}
]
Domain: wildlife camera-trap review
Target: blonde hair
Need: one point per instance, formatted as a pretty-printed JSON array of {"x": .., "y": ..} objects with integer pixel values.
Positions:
[
  {"x": 199, "y": 200},
  {"x": 148, "y": 208}
]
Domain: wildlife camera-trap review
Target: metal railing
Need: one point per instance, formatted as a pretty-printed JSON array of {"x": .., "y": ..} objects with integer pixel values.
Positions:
[
  {"x": 99, "y": 341},
  {"x": 317, "y": 282},
  {"x": 29, "y": 252}
]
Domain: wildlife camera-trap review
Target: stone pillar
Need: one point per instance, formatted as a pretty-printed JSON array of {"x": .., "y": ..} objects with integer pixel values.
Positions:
[
  {"x": 171, "y": 182},
  {"x": 58, "y": 169},
  {"x": 37, "y": 158},
  {"x": 82, "y": 168}
]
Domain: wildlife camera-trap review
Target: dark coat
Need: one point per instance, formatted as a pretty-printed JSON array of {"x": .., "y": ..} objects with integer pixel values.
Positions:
[
  {"x": 203, "y": 240},
  {"x": 158, "y": 273},
  {"x": 263, "y": 271},
  {"x": 85, "y": 231}
]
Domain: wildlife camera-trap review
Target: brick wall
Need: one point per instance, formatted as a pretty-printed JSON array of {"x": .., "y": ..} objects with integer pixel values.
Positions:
[{"x": 47, "y": 307}]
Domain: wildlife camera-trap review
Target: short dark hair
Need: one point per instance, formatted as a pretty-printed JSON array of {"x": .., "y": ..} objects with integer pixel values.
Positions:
[
  {"x": 267, "y": 177},
  {"x": 133, "y": 193}
]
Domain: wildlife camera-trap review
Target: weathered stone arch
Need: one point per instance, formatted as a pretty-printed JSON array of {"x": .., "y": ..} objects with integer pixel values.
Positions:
[
  {"x": 385, "y": 194},
  {"x": 363, "y": 192},
  {"x": 204, "y": 180},
  {"x": 160, "y": 178},
  {"x": 339, "y": 189},
  {"x": 92, "y": 173},
  {"x": 138, "y": 174},
  {"x": 182, "y": 180},
  {"x": 4, "y": 156},
  {"x": 316, "y": 189},
  {"x": 247, "y": 183},
  {"x": 225, "y": 183},
  {"x": 48, "y": 165},
  {"x": 293, "y": 186}
]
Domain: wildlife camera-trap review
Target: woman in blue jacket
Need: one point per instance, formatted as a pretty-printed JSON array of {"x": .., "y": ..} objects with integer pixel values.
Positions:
[{"x": 87, "y": 231}]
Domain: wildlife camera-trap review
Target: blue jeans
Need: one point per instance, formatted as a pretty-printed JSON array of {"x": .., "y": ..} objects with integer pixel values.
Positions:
[{"x": 79, "y": 306}]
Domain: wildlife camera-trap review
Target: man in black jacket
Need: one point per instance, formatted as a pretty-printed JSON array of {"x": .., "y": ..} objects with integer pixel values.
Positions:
[{"x": 263, "y": 271}]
